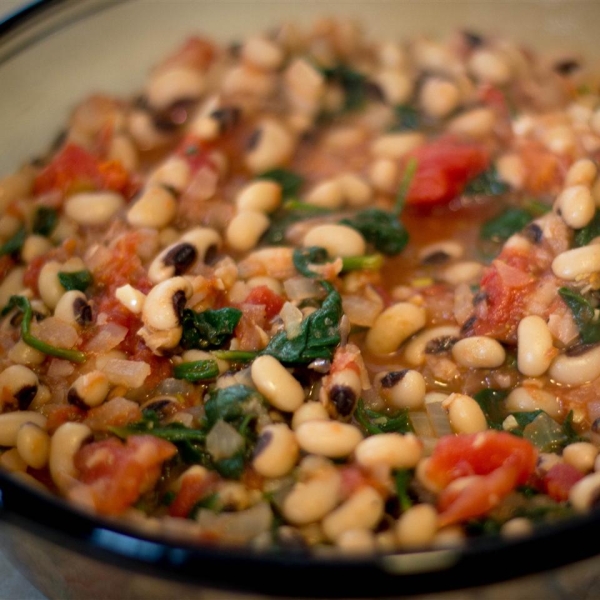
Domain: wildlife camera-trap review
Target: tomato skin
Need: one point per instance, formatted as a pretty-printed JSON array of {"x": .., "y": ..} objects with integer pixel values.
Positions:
[
  {"x": 501, "y": 461},
  {"x": 559, "y": 480},
  {"x": 74, "y": 169},
  {"x": 268, "y": 298},
  {"x": 194, "y": 487},
  {"x": 444, "y": 167},
  {"x": 117, "y": 473}
]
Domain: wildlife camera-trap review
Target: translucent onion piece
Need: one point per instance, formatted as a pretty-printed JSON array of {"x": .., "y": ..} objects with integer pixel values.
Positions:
[
  {"x": 223, "y": 440},
  {"x": 438, "y": 416},
  {"x": 108, "y": 337},
  {"x": 129, "y": 373},
  {"x": 237, "y": 527}
]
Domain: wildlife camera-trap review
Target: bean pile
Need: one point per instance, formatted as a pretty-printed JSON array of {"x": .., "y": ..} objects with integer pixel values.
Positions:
[{"x": 313, "y": 290}]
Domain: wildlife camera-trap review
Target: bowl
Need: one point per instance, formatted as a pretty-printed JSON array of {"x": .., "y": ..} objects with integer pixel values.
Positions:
[{"x": 55, "y": 52}]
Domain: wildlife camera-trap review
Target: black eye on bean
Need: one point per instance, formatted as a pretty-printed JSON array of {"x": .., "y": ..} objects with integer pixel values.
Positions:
[
  {"x": 343, "y": 398},
  {"x": 181, "y": 257}
]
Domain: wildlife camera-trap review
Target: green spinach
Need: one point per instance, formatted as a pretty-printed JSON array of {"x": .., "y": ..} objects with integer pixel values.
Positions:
[
  {"x": 584, "y": 315},
  {"x": 210, "y": 328}
]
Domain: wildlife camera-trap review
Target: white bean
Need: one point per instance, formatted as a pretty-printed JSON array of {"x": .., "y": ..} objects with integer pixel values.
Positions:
[
  {"x": 416, "y": 527},
  {"x": 64, "y": 444},
  {"x": 465, "y": 414},
  {"x": 245, "y": 229},
  {"x": 576, "y": 206},
  {"x": 338, "y": 240},
  {"x": 577, "y": 369},
  {"x": 33, "y": 444},
  {"x": 328, "y": 438},
  {"x": 11, "y": 422},
  {"x": 478, "y": 352},
  {"x": 390, "y": 450},
  {"x": 93, "y": 208},
  {"x": 281, "y": 389},
  {"x": 276, "y": 451},
  {"x": 577, "y": 262},
  {"x": 393, "y": 326},
  {"x": 535, "y": 349},
  {"x": 155, "y": 208}
]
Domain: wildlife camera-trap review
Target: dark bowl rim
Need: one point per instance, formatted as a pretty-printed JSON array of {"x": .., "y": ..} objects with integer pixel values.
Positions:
[{"x": 243, "y": 570}]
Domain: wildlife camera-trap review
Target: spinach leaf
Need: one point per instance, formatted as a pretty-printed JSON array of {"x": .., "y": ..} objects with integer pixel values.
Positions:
[
  {"x": 486, "y": 184},
  {"x": 380, "y": 228},
  {"x": 210, "y": 328},
  {"x": 491, "y": 401},
  {"x": 232, "y": 404},
  {"x": 198, "y": 370},
  {"x": 373, "y": 422},
  {"x": 292, "y": 211},
  {"x": 289, "y": 181},
  {"x": 45, "y": 221},
  {"x": 318, "y": 336},
  {"x": 23, "y": 304},
  {"x": 402, "y": 480},
  {"x": 407, "y": 118},
  {"x": 507, "y": 223},
  {"x": 304, "y": 257},
  {"x": 584, "y": 315},
  {"x": 585, "y": 235},
  {"x": 236, "y": 356},
  {"x": 76, "y": 280},
  {"x": 14, "y": 244},
  {"x": 353, "y": 83}
]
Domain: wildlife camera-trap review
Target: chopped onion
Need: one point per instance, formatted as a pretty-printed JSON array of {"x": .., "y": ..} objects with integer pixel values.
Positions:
[
  {"x": 56, "y": 332},
  {"x": 301, "y": 288},
  {"x": 174, "y": 387},
  {"x": 59, "y": 369},
  {"x": 115, "y": 413},
  {"x": 361, "y": 310},
  {"x": 438, "y": 415},
  {"x": 109, "y": 337},
  {"x": 237, "y": 527},
  {"x": 223, "y": 440},
  {"x": 292, "y": 319},
  {"x": 130, "y": 373}
]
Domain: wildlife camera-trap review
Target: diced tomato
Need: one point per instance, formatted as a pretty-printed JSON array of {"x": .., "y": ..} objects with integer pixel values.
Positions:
[
  {"x": 117, "y": 473},
  {"x": 266, "y": 297},
  {"x": 494, "y": 98},
  {"x": 194, "y": 487},
  {"x": 444, "y": 167},
  {"x": 74, "y": 169},
  {"x": 501, "y": 461},
  {"x": 6, "y": 264},
  {"x": 559, "y": 480},
  {"x": 544, "y": 170},
  {"x": 58, "y": 414},
  {"x": 196, "y": 152}
]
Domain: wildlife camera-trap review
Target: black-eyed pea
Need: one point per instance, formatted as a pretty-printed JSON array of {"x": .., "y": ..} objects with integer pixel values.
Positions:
[
  {"x": 20, "y": 383},
  {"x": 440, "y": 252},
  {"x": 581, "y": 172},
  {"x": 383, "y": 175},
  {"x": 396, "y": 145},
  {"x": 170, "y": 85},
  {"x": 245, "y": 229},
  {"x": 12, "y": 461},
  {"x": 466, "y": 271},
  {"x": 326, "y": 194},
  {"x": 165, "y": 302},
  {"x": 33, "y": 445},
  {"x": 123, "y": 149},
  {"x": 341, "y": 392},
  {"x": 490, "y": 66},
  {"x": 49, "y": 285},
  {"x": 577, "y": 262},
  {"x": 396, "y": 85},
  {"x": 130, "y": 298},
  {"x": 270, "y": 282},
  {"x": 93, "y": 209},
  {"x": 64, "y": 444},
  {"x": 281, "y": 389},
  {"x": 389, "y": 450},
  {"x": 195, "y": 355},
  {"x": 393, "y": 326},
  {"x": 576, "y": 206},
  {"x": 476, "y": 123},
  {"x": 155, "y": 208},
  {"x": 355, "y": 190},
  {"x": 535, "y": 348},
  {"x": 11, "y": 422},
  {"x": 338, "y": 240},
  {"x": 331, "y": 439},
  {"x": 271, "y": 145},
  {"x": 304, "y": 85},
  {"x": 262, "y": 52},
  {"x": 439, "y": 97},
  {"x": 451, "y": 536},
  {"x": 416, "y": 528},
  {"x": 576, "y": 369},
  {"x": 276, "y": 451},
  {"x": 16, "y": 185},
  {"x": 24, "y": 354},
  {"x": 364, "y": 509},
  {"x": 581, "y": 455},
  {"x": 356, "y": 542},
  {"x": 315, "y": 494},
  {"x": 584, "y": 495},
  {"x": 262, "y": 195},
  {"x": 34, "y": 246},
  {"x": 404, "y": 389},
  {"x": 511, "y": 170},
  {"x": 174, "y": 174},
  {"x": 516, "y": 528},
  {"x": 465, "y": 414},
  {"x": 478, "y": 352},
  {"x": 74, "y": 308},
  {"x": 309, "y": 411},
  {"x": 433, "y": 340},
  {"x": 89, "y": 390},
  {"x": 12, "y": 284},
  {"x": 529, "y": 398}
]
